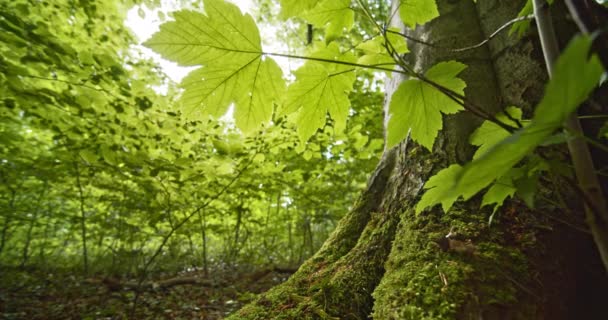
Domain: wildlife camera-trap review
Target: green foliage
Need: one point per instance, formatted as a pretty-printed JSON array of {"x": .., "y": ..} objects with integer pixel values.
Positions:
[
  {"x": 522, "y": 27},
  {"x": 295, "y": 8},
  {"x": 575, "y": 75},
  {"x": 438, "y": 189},
  {"x": 417, "y": 105},
  {"x": 336, "y": 13},
  {"x": 227, "y": 46},
  {"x": 114, "y": 166},
  {"x": 375, "y": 51},
  {"x": 320, "y": 88},
  {"x": 417, "y": 12},
  {"x": 83, "y": 130},
  {"x": 489, "y": 133}
]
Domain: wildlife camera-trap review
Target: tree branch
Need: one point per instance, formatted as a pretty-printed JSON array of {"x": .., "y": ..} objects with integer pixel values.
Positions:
[{"x": 495, "y": 33}]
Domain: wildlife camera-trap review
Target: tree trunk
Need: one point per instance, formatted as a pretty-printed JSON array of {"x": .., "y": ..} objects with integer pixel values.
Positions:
[
  {"x": 384, "y": 261},
  {"x": 7, "y": 220},
  {"x": 203, "y": 221},
  {"x": 33, "y": 220}
]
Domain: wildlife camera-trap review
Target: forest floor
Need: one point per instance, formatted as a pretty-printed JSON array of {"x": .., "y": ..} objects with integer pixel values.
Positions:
[{"x": 188, "y": 295}]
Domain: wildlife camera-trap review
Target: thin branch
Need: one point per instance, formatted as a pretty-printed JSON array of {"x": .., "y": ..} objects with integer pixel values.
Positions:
[
  {"x": 596, "y": 116},
  {"x": 486, "y": 40},
  {"x": 408, "y": 37},
  {"x": 195, "y": 211},
  {"x": 495, "y": 33},
  {"x": 562, "y": 221},
  {"x": 369, "y": 15}
]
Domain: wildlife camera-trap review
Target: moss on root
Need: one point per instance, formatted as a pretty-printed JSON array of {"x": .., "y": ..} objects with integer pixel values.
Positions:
[
  {"x": 340, "y": 290},
  {"x": 338, "y": 280},
  {"x": 424, "y": 282}
]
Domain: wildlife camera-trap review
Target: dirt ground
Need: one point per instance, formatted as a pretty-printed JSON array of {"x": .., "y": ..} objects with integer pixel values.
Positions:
[{"x": 33, "y": 294}]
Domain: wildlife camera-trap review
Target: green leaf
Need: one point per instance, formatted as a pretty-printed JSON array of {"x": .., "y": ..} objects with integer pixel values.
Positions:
[
  {"x": 575, "y": 76},
  {"x": 375, "y": 53},
  {"x": 419, "y": 12},
  {"x": 89, "y": 156},
  {"x": 307, "y": 155},
  {"x": 320, "y": 88},
  {"x": 489, "y": 133},
  {"x": 501, "y": 189},
  {"x": 526, "y": 188},
  {"x": 522, "y": 27},
  {"x": 257, "y": 106},
  {"x": 295, "y": 8},
  {"x": 259, "y": 158},
  {"x": 108, "y": 155},
  {"x": 227, "y": 46},
  {"x": 397, "y": 41},
  {"x": 418, "y": 106},
  {"x": 437, "y": 187},
  {"x": 336, "y": 13}
]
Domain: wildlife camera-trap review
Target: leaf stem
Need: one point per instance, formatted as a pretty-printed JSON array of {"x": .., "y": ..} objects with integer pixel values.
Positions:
[{"x": 346, "y": 63}]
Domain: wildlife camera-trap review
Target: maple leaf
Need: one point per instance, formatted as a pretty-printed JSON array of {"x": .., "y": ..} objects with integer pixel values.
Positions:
[
  {"x": 226, "y": 44},
  {"x": 336, "y": 13},
  {"x": 419, "y": 12},
  {"x": 320, "y": 88},
  {"x": 417, "y": 106}
]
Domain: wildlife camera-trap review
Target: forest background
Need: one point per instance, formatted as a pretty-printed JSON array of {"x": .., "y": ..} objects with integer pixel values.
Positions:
[
  {"x": 104, "y": 176},
  {"x": 114, "y": 181}
]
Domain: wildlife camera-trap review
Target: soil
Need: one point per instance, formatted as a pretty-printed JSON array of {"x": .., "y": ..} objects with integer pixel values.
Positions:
[{"x": 34, "y": 294}]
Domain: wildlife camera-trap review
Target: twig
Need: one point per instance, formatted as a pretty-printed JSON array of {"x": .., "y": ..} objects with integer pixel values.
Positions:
[
  {"x": 486, "y": 40},
  {"x": 495, "y": 33},
  {"x": 408, "y": 37}
]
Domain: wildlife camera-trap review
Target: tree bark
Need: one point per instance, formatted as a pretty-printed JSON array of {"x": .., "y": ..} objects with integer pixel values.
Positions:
[{"x": 386, "y": 262}]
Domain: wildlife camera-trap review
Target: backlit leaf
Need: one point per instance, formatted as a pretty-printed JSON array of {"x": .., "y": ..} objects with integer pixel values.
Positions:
[
  {"x": 226, "y": 44},
  {"x": 375, "y": 53},
  {"x": 417, "y": 12},
  {"x": 336, "y": 13},
  {"x": 501, "y": 190},
  {"x": 489, "y": 133},
  {"x": 437, "y": 187},
  {"x": 418, "y": 106},
  {"x": 320, "y": 88},
  {"x": 293, "y": 8}
]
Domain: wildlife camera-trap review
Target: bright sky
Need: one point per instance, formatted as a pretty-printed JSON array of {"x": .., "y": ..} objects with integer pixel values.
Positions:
[{"x": 145, "y": 27}]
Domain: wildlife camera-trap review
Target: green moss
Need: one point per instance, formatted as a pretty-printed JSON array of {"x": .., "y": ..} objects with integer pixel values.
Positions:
[
  {"x": 326, "y": 290},
  {"x": 424, "y": 282}
]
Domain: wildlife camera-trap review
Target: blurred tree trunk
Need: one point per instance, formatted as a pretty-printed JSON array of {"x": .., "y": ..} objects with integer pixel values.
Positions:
[
  {"x": 33, "y": 220},
  {"x": 384, "y": 261}
]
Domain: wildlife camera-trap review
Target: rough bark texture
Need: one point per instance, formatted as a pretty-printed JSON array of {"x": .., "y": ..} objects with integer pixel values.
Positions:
[{"x": 383, "y": 261}]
